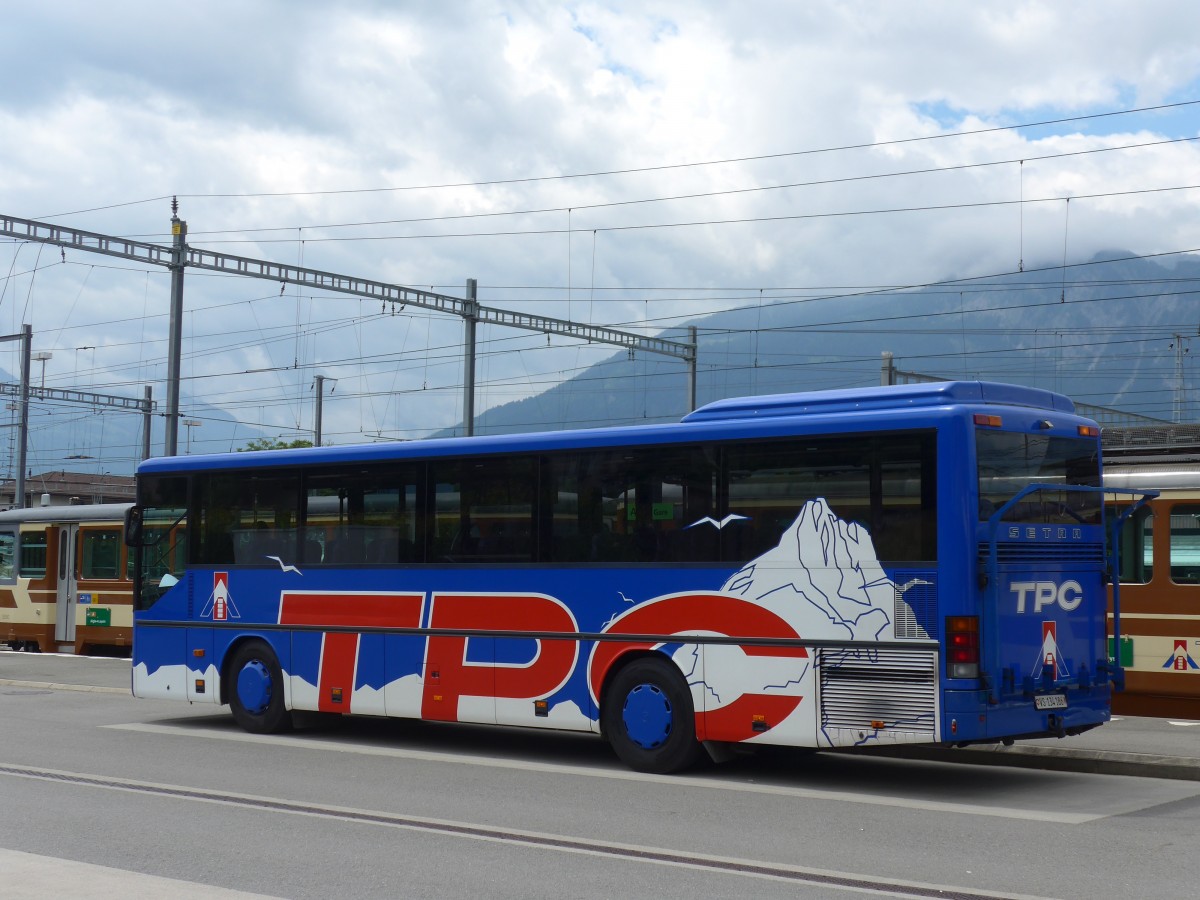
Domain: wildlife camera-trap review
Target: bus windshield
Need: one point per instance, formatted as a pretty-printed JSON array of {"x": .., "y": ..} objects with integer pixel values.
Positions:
[
  {"x": 1010, "y": 461},
  {"x": 162, "y": 550}
]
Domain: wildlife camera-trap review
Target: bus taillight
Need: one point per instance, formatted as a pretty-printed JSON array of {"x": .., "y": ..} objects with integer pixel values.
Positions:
[{"x": 962, "y": 646}]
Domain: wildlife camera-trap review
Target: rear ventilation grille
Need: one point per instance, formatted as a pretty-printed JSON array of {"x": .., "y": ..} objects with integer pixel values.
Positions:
[
  {"x": 873, "y": 690},
  {"x": 1010, "y": 551}
]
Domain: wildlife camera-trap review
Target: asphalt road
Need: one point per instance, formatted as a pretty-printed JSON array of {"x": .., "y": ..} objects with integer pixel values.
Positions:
[{"x": 102, "y": 795}]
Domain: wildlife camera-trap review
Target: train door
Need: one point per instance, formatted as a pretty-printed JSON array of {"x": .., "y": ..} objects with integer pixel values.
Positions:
[{"x": 68, "y": 586}]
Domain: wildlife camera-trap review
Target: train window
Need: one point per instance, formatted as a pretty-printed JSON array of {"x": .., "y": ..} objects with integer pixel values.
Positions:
[
  {"x": 33, "y": 554},
  {"x": 1185, "y": 543},
  {"x": 1136, "y": 545},
  {"x": 101, "y": 553},
  {"x": 8, "y": 556}
]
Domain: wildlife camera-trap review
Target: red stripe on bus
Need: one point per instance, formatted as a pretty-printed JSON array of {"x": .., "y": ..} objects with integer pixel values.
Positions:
[
  {"x": 351, "y": 610},
  {"x": 339, "y": 653}
]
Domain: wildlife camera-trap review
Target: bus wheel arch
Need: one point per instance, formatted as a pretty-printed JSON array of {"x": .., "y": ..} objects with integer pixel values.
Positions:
[
  {"x": 647, "y": 714},
  {"x": 252, "y": 685}
]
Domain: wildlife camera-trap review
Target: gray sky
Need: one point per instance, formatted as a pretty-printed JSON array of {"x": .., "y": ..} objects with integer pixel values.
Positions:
[{"x": 427, "y": 143}]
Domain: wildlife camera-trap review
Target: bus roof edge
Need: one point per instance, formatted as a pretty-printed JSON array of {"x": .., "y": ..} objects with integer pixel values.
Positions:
[{"x": 939, "y": 393}]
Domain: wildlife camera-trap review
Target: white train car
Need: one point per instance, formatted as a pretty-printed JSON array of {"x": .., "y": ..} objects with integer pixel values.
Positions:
[{"x": 65, "y": 579}]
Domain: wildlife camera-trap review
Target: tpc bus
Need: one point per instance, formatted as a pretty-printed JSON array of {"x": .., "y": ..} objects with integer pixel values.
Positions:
[{"x": 912, "y": 564}]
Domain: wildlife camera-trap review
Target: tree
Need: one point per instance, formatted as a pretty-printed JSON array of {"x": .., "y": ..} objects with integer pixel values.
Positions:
[{"x": 275, "y": 444}]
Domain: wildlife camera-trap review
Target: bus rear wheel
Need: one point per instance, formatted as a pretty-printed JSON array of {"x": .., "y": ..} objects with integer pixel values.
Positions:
[
  {"x": 647, "y": 717},
  {"x": 255, "y": 690}
]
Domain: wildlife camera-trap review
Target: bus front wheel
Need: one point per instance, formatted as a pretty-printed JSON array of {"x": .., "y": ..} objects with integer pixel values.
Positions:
[
  {"x": 648, "y": 719},
  {"x": 255, "y": 690}
]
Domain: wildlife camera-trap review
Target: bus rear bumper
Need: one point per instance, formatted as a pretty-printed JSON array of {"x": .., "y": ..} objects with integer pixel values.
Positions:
[{"x": 969, "y": 718}]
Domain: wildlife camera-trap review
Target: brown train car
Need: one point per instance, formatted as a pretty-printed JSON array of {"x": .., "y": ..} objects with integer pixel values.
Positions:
[
  {"x": 65, "y": 580},
  {"x": 1159, "y": 583}
]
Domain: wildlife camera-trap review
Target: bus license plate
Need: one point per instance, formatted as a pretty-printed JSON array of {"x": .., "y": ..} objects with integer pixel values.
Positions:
[{"x": 1050, "y": 701}]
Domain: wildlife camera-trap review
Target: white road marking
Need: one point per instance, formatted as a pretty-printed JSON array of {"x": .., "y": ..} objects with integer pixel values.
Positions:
[
  {"x": 647, "y": 854},
  {"x": 691, "y": 781},
  {"x": 50, "y": 686},
  {"x": 28, "y": 876}
]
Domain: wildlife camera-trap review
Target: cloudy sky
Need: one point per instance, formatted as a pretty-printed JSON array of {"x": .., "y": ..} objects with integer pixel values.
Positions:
[{"x": 627, "y": 164}]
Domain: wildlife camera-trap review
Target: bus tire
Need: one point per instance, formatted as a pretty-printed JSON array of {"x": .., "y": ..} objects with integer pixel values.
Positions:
[
  {"x": 255, "y": 690},
  {"x": 647, "y": 717}
]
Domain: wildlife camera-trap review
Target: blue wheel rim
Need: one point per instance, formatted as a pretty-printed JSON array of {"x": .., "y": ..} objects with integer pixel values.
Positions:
[
  {"x": 648, "y": 716},
  {"x": 254, "y": 687}
]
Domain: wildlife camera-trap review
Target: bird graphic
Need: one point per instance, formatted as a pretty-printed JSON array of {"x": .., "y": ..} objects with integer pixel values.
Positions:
[
  {"x": 285, "y": 566},
  {"x": 621, "y": 594},
  {"x": 732, "y": 517}
]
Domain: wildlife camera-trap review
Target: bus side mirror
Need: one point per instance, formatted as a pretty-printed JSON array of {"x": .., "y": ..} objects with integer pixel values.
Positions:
[{"x": 133, "y": 526}]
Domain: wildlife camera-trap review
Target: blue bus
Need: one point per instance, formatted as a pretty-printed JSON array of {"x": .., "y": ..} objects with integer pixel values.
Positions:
[{"x": 851, "y": 568}]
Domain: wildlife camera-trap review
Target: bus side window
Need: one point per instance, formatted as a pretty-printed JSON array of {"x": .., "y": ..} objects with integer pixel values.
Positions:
[
  {"x": 483, "y": 509},
  {"x": 246, "y": 518}
]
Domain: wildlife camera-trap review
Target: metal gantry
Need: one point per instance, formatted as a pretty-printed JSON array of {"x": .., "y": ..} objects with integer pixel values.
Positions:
[
  {"x": 26, "y": 339},
  {"x": 179, "y": 257},
  {"x": 26, "y": 392}
]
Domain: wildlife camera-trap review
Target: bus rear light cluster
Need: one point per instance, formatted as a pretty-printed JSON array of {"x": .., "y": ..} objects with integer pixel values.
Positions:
[{"x": 962, "y": 646}]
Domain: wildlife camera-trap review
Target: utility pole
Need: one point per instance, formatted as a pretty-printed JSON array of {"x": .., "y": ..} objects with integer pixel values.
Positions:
[
  {"x": 470, "y": 316},
  {"x": 23, "y": 437},
  {"x": 319, "y": 384},
  {"x": 1180, "y": 350},
  {"x": 26, "y": 339},
  {"x": 147, "y": 411},
  {"x": 42, "y": 356},
  {"x": 190, "y": 424},
  {"x": 691, "y": 388},
  {"x": 175, "y": 328}
]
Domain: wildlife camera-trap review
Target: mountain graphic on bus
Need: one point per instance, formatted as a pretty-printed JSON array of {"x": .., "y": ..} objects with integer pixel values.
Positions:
[
  {"x": 823, "y": 578},
  {"x": 822, "y": 581},
  {"x": 1050, "y": 657}
]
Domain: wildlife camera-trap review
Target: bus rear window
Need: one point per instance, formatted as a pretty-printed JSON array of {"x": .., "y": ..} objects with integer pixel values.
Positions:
[{"x": 1009, "y": 462}]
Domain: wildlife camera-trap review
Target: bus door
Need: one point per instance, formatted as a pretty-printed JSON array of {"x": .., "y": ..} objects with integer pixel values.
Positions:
[{"x": 68, "y": 586}]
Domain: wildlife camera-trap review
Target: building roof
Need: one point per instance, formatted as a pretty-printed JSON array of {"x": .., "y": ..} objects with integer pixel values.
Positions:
[{"x": 82, "y": 484}]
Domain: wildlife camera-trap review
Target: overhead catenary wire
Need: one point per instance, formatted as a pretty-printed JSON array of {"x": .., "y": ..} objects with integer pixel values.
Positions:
[
  {"x": 672, "y": 166},
  {"x": 649, "y": 322}
]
